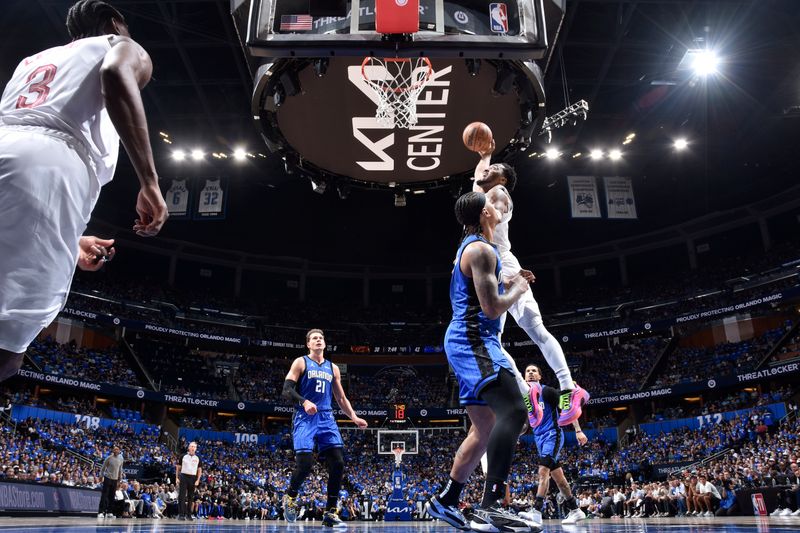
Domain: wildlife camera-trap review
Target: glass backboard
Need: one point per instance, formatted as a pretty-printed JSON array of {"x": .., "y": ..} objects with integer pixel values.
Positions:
[
  {"x": 389, "y": 439},
  {"x": 447, "y": 28}
]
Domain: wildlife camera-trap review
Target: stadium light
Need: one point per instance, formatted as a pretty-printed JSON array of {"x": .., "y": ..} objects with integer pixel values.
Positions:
[
  {"x": 552, "y": 153},
  {"x": 680, "y": 144},
  {"x": 596, "y": 154},
  {"x": 178, "y": 155},
  {"x": 614, "y": 155},
  {"x": 705, "y": 63},
  {"x": 239, "y": 154},
  {"x": 197, "y": 154}
]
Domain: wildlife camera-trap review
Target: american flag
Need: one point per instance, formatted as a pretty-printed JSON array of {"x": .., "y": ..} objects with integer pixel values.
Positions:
[{"x": 296, "y": 22}]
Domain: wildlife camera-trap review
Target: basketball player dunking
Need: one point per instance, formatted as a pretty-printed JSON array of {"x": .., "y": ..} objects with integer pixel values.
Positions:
[
  {"x": 314, "y": 423},
  {"x": 62, "y": 115},
  {"x": 497, "y": 181},
  {"x": 549, "y": 439},
  {"x": 484, "y": 374}
]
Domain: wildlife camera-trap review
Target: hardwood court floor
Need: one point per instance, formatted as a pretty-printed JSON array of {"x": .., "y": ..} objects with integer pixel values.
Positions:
[{"x": 653, "y": 525}]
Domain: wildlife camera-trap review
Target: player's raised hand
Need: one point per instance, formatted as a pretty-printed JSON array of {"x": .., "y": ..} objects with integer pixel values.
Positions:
[
  {"x": 94, "y": 252},
  {"x": 360, "y": 422},
  {"x": 310, "y": 407},
  {"x": 517, "y": 280},
  {"x": 528, "y": 275},
  {"x": 152, "y": 211},
  {"x": 489, "y": 150}
]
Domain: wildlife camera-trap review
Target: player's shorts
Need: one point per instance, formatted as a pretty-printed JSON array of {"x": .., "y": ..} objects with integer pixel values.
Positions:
[
  {"x": 549, "y": 447},
  {"x": 48, "y": 192},
  {"x": 476, "y": 359},
  {"x": 319, "y": 429},
  {"x": 525, "y": 310}
]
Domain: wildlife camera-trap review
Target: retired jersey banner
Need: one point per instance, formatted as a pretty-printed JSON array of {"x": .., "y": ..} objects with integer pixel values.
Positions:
[
  {"x": 583, "y": 196},
  {"x": 177, "y": 198},
  {"x": 211, "y": 200},
  {"x": 619, "y": 198}
]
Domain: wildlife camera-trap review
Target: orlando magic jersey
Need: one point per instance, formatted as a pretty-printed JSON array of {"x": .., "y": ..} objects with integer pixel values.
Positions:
[
  {"x": 549, "y": 406},
  {"x": 463, "y": 298},
  {"x": 315, "y": 383}
]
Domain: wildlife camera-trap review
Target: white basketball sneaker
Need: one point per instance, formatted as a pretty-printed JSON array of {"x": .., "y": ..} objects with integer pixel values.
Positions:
[
  {"x": 534, "y": 517},
  {"x": 574, "y": 516}
]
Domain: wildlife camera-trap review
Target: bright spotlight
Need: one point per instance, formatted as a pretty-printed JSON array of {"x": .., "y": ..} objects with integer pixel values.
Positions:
[
  {"x": 552, "y": 153},
  {"x": 614, "y": 155},
  {"x": 178, "y": 155},
  {"x": 197, "y": 154},
  {"x": 240, "y": 154},
  {"x": 681, "y": 144},
  {"x": 596, "y": 154},
  {"x": 705, "y": 63}
]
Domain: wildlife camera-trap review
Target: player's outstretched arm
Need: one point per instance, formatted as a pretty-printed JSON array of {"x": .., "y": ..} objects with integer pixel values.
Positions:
[
  {"x": 483, "y": 164},
  {"x": 478, "y": 262},
  {"x": 344, "y": 403},
  {"x": 126, "y": 69}
]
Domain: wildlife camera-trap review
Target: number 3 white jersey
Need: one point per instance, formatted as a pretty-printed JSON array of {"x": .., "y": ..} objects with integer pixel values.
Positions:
[{"x": 59, "y": 89}]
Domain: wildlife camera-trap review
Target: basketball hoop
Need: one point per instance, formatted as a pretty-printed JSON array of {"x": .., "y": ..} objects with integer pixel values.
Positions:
[
  {"x": 398, "y": 455},
  {"x": 398, "y": 82}
]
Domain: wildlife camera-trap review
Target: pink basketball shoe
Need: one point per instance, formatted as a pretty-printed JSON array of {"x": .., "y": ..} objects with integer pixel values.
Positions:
[{"x": 570, "y": 403}]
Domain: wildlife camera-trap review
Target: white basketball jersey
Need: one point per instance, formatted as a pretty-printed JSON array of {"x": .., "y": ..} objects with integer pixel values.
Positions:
[
  {"x": 210, "y": 198},
  {"x": 59, "y": 89},
  {"x": 177, "y": 198},
  {"x": 500, "y": 238}
]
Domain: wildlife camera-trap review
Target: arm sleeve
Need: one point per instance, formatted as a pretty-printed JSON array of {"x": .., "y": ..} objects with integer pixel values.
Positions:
[{"x": 290, "y": 392}]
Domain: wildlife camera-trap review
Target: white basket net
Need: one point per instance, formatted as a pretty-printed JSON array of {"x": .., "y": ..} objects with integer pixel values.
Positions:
[{"x": 397, "y": 82}]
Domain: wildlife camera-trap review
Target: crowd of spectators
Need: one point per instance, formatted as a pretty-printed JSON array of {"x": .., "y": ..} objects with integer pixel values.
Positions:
[
  {"x": 178, "y": 369},
  {"x": 106, "y": 366},
  {"x": 260, "y": 379},
  {"x": 729, "y": 402},
  {"x": 760, "y": 460},
  {"x": 621, "y": 367},
  {"x": 412, "y": 386},
  {"x": 688, "y": 364},
  {"x": 383, "y": 323},
  {"x": 789, "y": 351},
  {"x": 246, "y": 481},
  {"x": 25, "y": 456}
]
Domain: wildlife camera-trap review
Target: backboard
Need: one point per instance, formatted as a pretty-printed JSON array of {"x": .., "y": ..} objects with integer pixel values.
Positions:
[
  {"x": 522, "y": 29},
  {"x": 315, "y": 109},
  {"x": 389, "y": 439}
]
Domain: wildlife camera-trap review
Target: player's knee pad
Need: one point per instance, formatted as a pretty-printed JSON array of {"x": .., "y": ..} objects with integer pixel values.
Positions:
[
  {"x": 304, "y": 463},
  {"x": 335, "y": 459},
  {"x": 548, "y": 462}
]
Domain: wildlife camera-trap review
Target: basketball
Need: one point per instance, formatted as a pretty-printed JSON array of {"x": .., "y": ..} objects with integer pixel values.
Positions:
[{"x": 477, "y": 137}]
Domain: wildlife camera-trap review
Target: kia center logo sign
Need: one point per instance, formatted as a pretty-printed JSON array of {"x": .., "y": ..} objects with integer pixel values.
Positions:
[{"x": 331, "y": 122}]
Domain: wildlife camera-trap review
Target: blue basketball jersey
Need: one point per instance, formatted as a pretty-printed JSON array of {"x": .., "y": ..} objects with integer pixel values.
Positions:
[
  {"x": 464, "y": 299},
  {"x": 315, "y": 383},
  {"x": 549, "y": 405}
]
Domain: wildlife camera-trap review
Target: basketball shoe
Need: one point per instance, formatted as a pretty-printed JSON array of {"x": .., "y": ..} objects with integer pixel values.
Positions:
[
  {"x": 331, "y": 519},
  {"x": 535, "y": 413},
  {"x": 570, "y": 403},
  {"x": 449, "y": 513},
  {"x": 289, "y": 508}
]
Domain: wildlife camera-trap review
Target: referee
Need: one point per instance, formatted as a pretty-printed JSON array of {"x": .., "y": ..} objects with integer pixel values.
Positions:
[
  {"x": 187, "y": 475},
  {"x": 111, "y": 472}
]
